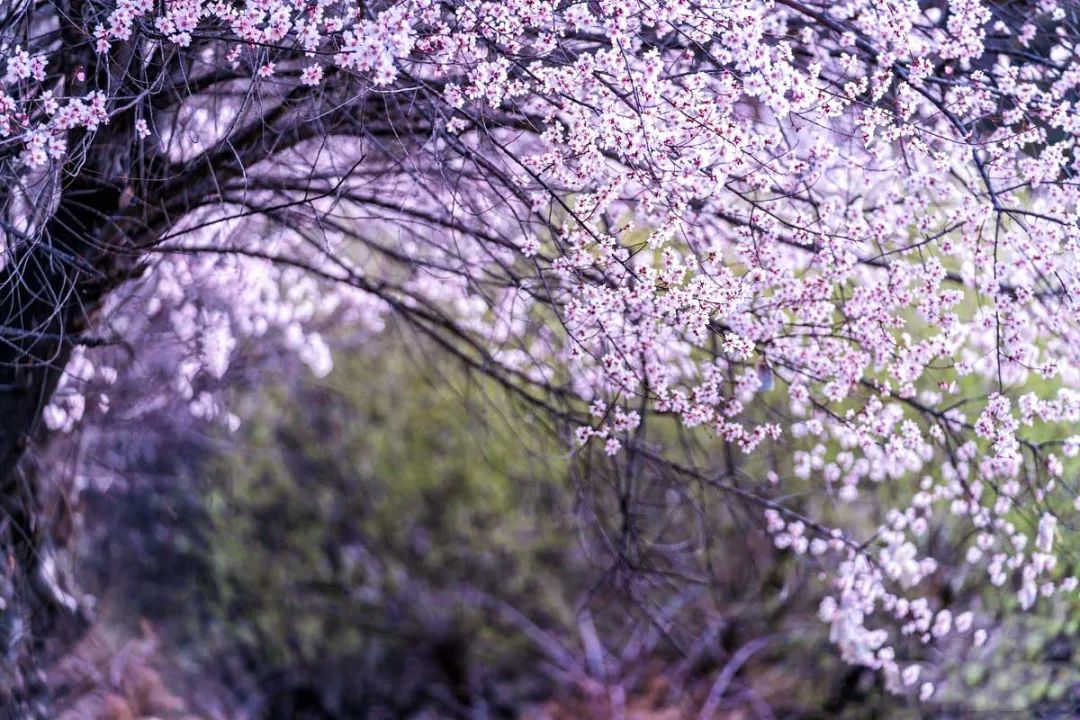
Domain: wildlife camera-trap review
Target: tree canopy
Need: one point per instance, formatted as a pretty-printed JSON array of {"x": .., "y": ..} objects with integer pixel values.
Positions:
[{"x": 792, "y": 252}]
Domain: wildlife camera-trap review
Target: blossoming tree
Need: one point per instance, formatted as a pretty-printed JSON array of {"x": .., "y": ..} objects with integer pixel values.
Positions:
[{"x": 838, "y": 240}]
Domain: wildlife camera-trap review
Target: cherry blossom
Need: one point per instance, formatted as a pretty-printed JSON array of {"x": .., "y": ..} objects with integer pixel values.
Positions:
[{"x": 846, "y": 230}]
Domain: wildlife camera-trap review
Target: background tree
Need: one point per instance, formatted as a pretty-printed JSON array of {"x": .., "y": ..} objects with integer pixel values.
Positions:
[{"x": 687, "y": 233}]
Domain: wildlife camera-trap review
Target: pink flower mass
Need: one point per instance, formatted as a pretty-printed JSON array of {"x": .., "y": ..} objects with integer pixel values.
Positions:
[{"x": 839, "y": 240}]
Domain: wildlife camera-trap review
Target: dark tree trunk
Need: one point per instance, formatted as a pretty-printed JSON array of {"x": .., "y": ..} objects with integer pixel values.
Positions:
[
  {"x": 51, "y": 285},
  {"x": 49, "y": 290}
]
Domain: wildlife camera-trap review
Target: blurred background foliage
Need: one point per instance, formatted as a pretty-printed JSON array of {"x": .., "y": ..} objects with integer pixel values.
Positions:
[
  {"x": 359, "y": 520},
  {"x": 402, "y": 539}
]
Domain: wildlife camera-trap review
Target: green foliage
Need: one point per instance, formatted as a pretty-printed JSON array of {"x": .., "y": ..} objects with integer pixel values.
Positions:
[{"x": 354, "y": 518}]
